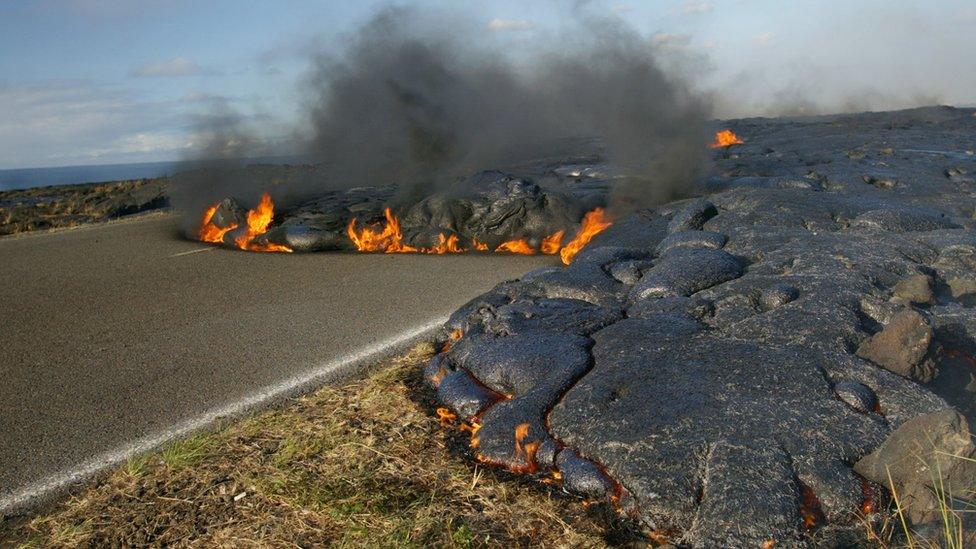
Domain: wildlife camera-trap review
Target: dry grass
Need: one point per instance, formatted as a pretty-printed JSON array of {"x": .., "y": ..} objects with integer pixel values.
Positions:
[
  {"x": 364, "y": 464},
  {"x": 955, "y": 511}
]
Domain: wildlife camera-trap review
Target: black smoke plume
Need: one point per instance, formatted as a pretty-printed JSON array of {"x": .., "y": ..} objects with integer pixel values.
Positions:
[{"x": 422, "y": 100}]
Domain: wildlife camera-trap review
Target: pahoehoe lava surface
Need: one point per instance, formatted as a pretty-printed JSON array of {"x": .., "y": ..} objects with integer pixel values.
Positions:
[{"x": 712, "y": 366}]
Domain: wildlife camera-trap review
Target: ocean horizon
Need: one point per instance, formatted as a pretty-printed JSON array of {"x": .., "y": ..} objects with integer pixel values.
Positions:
[{"x": 28, "y": 178}]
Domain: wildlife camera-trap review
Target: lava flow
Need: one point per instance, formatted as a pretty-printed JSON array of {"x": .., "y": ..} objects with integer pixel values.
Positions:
[
  {"x": 725, "y": 139},
  {"x": 258, "y": 220},
  {"x": 594, "y": 223},
  {"x": 388, "y": 238},
  {"x": 208, "y": 232}
]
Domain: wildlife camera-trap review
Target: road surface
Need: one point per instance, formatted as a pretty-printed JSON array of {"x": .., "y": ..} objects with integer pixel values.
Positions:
[{"x": 120, "y": 336}]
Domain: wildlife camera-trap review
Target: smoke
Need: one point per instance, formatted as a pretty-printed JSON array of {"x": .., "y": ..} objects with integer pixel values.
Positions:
[{"x": 421, "y": 99}]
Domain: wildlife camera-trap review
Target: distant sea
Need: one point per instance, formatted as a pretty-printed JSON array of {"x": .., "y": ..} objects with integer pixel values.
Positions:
[{"x": 26, "y": 178}]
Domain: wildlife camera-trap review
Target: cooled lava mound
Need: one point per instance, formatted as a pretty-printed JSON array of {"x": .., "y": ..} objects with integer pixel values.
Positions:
[
  {"x": 736, "y": 369},
  {"x": 756, "y": 366}
]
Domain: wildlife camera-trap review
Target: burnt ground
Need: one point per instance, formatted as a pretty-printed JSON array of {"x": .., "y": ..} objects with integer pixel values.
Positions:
[
  {"x": 69, "y": 205},
  {"x": 728, "y": 369}
]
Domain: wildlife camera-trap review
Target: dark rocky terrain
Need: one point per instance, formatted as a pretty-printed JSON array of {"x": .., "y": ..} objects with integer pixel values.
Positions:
[
  {"x": 751, "y": 365},
  {"x": 761, "y": 363},
  {"x": 69, "y": 205}
]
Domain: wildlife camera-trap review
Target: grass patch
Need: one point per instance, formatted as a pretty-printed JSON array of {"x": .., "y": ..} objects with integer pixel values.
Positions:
[{"x": 364, "y": 464}]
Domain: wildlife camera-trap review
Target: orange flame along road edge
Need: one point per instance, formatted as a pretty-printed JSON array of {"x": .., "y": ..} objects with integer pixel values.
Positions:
[
  {"x": 388, "y": 238},
  {"x": 258, "y": 220}
]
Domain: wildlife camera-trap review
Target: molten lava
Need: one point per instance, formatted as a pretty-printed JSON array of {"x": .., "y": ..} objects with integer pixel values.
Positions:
[
  {"x": 594, "y": 223},
  {"x": 725, "y": 139},
  {"x": 388, "y": 238},
  {"x": 446, "y": 417},
  {"x": 552, "y": 243},
  {"x": 810, "y": 510},
  {"x": 451, "y": 338},
  {"x": 526, "y": 451},
  {"x": 208, "y": 232},
  {"x": 258, "y": 220},
  {"x": 520, "y": 246}
]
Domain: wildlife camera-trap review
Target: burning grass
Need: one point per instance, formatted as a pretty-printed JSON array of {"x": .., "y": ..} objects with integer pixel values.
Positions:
[{"x": 365, "y": 464}]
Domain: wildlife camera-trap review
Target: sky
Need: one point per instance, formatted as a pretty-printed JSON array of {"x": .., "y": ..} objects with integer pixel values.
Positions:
[{"x": 111, "y": 81}]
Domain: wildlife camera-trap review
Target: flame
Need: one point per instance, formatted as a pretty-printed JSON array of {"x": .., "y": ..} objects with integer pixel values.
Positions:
[
  {"x": 447, "y": 245},
  {"x": 869, "y": 499},
  {"x": 552, "y": 243},
  {"x": 473, "y": 427},
  {"x": 208, "y": 232},
  {"x": 594, "y": 223},
  {"x": 516, "y": 247},
  {"x": 451, "y": 338},
  {"x": 258, "y": 220},
  {"x": 528, "y": 450},
  {"x": 725, "y": 138},
  {"x": 810, "y": 510},
  {"x": 446, "y": 417},
  {"x": 388, "y": 238}
]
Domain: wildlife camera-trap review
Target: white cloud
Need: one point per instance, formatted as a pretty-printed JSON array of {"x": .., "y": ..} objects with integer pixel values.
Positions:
[
  {"x": 766, "y": 39},
  {"x": 666, "y": 41},
  {"x": 509, "y": 24},
  {"x": 622, "y": 8},
  {"x": 179, "y": 66},
  {"x": 691, "y": 7},
  {"x": 63, "y": 123}
]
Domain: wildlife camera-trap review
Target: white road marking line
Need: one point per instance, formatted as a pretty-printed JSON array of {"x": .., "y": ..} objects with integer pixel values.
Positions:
[
  {"x": 53, "y": 483},
  {"x": 196, "y": 251}
]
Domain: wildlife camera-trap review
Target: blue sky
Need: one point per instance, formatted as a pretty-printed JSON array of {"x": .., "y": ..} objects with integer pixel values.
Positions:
[{"x": 104, "y": 81}]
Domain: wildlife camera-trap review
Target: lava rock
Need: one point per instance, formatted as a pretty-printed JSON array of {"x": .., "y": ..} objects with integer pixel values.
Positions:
[
  {"x": 302, "y": 238},
  {"x": 682, "y": 306},
  {"x": 857, "y": 396},
  {"x": 686, "y": 271},
  {"x": 654, "y": 400},
  {"x": 629, "y": 272},
  {"x": 551, "y": 315},
  {"x": 916, "y": 289},
  {"x": 924, "y": 455},
  {"x": 464, "y": 394},
  {"x": 691, "y": 239},
  {"x": 543, "y": 362},
  {"x": 692, "y": 216},
  {"x": 776, "y": 296},
  {"x": 728, "y": 515},
  {"x": 228, "y": 214},
  {"x": 583, "y": 477},
  {"x": 898, "y": 220},
  {"x": 906, "y": 347}
]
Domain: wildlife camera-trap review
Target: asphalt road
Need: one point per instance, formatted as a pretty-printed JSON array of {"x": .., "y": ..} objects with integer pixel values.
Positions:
[{"x": 116, "y": 337}]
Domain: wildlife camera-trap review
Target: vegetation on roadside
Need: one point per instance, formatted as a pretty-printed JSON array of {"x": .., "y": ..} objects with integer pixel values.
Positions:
[{"x": 363, "y": 464}]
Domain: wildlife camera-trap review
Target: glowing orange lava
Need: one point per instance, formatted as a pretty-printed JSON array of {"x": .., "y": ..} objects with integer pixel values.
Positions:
[
  {"x": 446, "y": 417},
  {"x": 258, "y": 220},
  {"x": 552, "y": 243},
  {"x": 526, "y": 451},
  {"x": 388, "y": 238},
  {"x": 594, "y": 223},
  {"x": 208, "y": 232},
  {"x": 725, "y": 138},
  {"x": 520, "y": 246}
]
